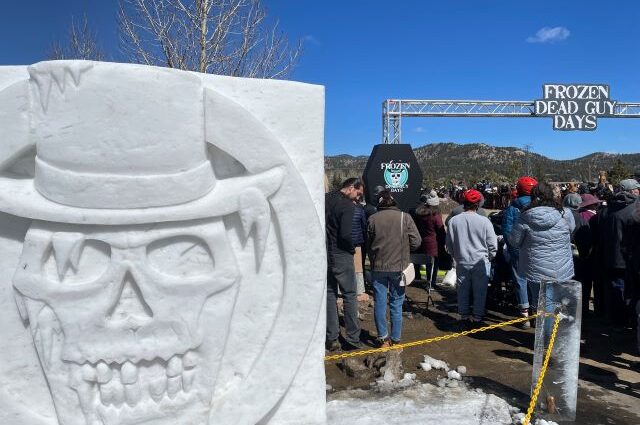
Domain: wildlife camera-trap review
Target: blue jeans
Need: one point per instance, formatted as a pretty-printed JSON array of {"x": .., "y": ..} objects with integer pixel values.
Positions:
[
  {"x": 520, "y": 285},
  {"x": 534, "y": 289},
  {"x": 472, "y": 279},
  {"x": 383, "y": 282}
]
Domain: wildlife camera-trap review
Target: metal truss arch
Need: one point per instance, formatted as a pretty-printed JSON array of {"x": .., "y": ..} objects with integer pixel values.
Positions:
[{"x": 394, "y": 110}]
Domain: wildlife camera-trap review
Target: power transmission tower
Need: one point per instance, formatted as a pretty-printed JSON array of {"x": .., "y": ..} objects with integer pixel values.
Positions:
[{"x": 527, "y": 160}]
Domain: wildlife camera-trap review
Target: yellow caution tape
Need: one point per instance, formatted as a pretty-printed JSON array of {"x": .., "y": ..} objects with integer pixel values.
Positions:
[{"x": 430, "y": 340}]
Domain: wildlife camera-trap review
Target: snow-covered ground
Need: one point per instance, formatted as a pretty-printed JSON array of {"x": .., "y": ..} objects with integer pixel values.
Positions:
[
  {"x": 418, "y": 404},
  {"x": 402, "y": 400}
]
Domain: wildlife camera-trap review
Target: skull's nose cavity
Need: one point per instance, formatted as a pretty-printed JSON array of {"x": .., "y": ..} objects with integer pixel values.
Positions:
[{"x": 130, "y": 306}]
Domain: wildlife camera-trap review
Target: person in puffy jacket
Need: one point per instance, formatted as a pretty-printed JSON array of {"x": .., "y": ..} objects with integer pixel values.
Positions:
[
  {"x": 392, "y": 235},
  {"x": 542, "y": 233},
  {"x": 509, "y": 218}
]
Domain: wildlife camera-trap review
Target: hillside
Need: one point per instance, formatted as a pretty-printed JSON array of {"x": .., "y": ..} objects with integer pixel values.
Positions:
[{"x": 442, "y": 162}]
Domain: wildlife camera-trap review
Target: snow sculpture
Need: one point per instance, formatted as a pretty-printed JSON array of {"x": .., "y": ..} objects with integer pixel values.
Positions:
[{"x": 164, "y": 253}]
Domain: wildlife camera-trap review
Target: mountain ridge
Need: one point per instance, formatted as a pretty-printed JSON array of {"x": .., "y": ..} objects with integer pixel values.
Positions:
[{"x": 442, "y": 162}]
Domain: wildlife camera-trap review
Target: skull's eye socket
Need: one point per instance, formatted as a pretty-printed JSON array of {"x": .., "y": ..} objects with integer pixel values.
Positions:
[
  {"x": 183, "y": 256},
  {"x": 77, "y": 262}
]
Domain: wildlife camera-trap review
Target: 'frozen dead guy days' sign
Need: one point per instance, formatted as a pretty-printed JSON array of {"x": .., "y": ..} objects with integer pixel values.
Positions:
[{"x": 575, "y": 106}]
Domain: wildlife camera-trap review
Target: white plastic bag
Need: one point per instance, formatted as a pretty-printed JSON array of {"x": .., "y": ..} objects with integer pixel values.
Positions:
[
  {"x": 450, "y": 278},
  {"x": 408, "y": 275}
]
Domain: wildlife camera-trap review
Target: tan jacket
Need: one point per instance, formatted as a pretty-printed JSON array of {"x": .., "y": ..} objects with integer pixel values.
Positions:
[{"x": 390, "y": 242}]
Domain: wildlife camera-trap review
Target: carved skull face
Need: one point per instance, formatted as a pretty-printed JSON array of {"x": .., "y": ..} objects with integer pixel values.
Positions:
[
  {"x": 395, "y": 179},
  {"x": 116, "y": 317}
]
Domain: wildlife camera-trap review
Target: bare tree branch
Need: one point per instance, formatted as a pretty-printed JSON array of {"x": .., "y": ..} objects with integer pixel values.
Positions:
[
  {"x": 228, "y": 37},
  {"x": 81, "y": 43}
]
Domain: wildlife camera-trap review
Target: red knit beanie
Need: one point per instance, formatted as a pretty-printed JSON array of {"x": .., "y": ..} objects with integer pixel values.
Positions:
[{"x": 472, "y": 196}]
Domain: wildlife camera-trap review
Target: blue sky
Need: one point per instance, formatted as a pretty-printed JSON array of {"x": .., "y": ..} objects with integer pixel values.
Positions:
[{"x": 368, "y": 51}]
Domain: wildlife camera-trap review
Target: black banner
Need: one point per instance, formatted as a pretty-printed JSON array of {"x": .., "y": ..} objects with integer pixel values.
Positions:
[{"x": 394, "y": 167}]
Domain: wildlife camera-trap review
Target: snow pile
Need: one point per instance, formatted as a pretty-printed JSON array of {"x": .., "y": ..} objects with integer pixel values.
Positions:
[
  {"x": 431, "y": 363},
  {"x": 518, "y": 419},
  {"x": 434, "y": 364},
  {"x": 452, "y": 374},
  {"x": 417, "y": 405},
  {"x": 543, "y": 422},
  {"x": 388, "y": 384}
]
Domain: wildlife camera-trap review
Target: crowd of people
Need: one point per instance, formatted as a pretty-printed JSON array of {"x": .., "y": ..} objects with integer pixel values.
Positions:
[
  {"x": 545, "y": 232},
  {"x": 499, "y": 195}
]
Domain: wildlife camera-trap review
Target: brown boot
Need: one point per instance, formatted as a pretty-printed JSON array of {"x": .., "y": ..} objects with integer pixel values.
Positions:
[{"x": 385, "y": 343}]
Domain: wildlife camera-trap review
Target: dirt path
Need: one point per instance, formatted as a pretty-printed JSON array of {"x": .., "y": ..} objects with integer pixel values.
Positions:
[{"x": 500, "y": 361}]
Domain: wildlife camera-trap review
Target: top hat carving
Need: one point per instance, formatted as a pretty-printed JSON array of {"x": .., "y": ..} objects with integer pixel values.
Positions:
[{"x": 122, "y": 144}]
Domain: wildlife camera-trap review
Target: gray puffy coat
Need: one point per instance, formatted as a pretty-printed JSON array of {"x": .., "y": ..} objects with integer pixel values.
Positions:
[{"x": 544, "y": 238}]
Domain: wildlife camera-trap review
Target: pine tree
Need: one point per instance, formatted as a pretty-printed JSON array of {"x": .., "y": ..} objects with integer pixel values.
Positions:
[{"x": 619, "y": 172}]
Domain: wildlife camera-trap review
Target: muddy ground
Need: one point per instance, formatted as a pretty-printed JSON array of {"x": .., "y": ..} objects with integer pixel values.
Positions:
[{"x": 500, "y": 361}]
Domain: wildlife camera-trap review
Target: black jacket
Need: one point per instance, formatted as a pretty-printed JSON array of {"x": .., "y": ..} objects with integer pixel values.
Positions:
[
  {"x": 338, "y": 214},
  {"x": 612, "y": 225},
  {"x": 631, "y": 250},
  {"x": 581, "y": 236}
]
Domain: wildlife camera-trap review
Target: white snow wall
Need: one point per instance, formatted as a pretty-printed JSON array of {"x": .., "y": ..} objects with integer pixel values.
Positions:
[{"x": 177, "y": 208}]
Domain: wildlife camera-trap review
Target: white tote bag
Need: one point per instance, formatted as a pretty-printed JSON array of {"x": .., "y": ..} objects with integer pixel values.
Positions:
[{"x": 409, "y": 273}]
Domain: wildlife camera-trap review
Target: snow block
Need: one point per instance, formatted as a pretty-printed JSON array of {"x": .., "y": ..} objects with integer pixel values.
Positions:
[{"x": 162, "y": 247}]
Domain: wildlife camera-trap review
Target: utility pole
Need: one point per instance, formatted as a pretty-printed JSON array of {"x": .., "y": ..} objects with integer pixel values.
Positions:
[{"x": 527, "y": 159}]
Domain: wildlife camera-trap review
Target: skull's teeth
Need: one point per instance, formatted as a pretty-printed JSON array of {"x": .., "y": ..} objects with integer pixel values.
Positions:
[
  {"x": 190, "y": 360},
  {"x": 132, "y": 394},
  {"x": 174, "y": 367},
  {"x": 129, "y": 373},
  {"x": 103, "y": 373},
  {"x": 88, "y": 373},
  {"x": 130, "y": 383},
  {"x": 157, "y": 388},
  {"x": 112, "y": 393},
  {"x": 174, "y": 385},
  {"x": 187, "y": 380}
]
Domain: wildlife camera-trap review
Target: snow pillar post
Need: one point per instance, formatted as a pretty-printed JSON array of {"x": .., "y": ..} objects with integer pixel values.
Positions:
[{"x": 558, "y": 395}]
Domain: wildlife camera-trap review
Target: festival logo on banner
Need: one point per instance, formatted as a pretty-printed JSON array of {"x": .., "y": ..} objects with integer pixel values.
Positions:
[{"x": 396, "y": 175}]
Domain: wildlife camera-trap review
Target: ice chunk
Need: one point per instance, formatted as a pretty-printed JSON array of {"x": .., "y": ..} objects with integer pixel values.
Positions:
[
  {"x": 543, "y": 422},
  {"x": 434, "y": 363},
  {"x": 452, "y": 374},
  {"x": 518, "y": 418}
]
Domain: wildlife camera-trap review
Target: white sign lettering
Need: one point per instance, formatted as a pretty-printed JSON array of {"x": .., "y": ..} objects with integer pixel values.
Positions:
[{"x": 575, "y": 106}]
